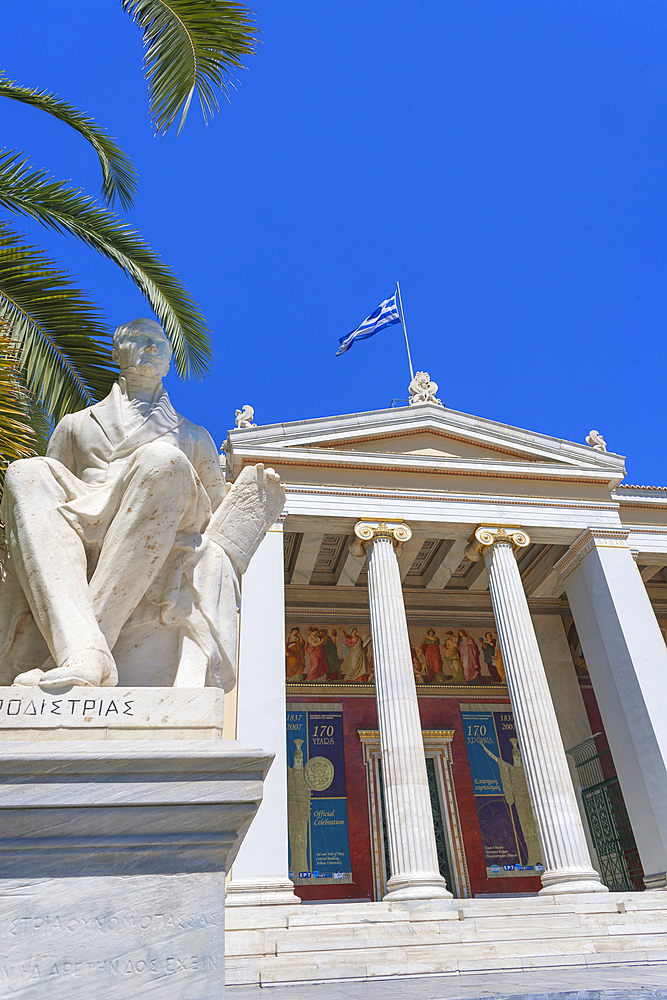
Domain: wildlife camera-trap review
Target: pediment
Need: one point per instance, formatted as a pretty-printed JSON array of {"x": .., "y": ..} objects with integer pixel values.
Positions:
[
  {"x": 424, "y": 432},
  {"x": 423, "y": 441}
]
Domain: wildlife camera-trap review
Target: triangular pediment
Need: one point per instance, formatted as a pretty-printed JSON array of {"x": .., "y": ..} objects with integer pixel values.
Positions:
[
  {"x": 423, "y": 433},
  {"x": 423, "y": 441}
]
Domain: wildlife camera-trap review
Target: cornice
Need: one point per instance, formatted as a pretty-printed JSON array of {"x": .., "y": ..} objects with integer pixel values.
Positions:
[
  {"x": 373, "y": 735},
  {"x": 647, "y": 529},
  {"x": 592, "y": 538},
  {"x": 325, "y": 432},
  {"x": 426, "y": 465}
]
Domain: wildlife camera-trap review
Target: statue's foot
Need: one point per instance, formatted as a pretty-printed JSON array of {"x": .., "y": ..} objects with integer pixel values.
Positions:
[
  {"x": 92, "y": 669},
  {"x": 30, "y": 677}
]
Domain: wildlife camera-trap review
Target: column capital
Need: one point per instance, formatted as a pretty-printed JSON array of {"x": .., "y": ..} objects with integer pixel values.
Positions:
[
  {"x": 368, "y": 529},
  {"x": 486, "y": 535}
]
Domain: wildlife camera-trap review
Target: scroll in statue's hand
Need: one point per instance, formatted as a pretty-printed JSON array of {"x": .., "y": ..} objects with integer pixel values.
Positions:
[{"x": 251, "y": 506}]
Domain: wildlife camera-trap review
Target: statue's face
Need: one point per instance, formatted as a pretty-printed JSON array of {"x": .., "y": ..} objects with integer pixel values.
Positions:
[{"x": 143, "y": 349}]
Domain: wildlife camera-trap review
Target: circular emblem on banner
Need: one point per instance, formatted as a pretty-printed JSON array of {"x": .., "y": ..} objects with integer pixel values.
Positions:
[{"x": 319, "y": 773}]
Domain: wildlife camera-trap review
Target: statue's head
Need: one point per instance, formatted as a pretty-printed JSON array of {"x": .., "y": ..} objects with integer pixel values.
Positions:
[{"x": 142, "y": 346}]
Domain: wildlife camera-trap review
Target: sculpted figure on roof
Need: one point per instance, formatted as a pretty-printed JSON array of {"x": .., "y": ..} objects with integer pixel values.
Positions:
[
  {"x": 423, "y": 390},
  {"x": 125, "y": 549}
]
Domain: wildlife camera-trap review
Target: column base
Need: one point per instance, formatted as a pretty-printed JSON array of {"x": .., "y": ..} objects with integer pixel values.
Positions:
[
  {"x": 266, "y": 891},
  {"x": 564, "y": 880},
  {"x": 657, "y": 881},
  {"x": 416, "y": 886}
]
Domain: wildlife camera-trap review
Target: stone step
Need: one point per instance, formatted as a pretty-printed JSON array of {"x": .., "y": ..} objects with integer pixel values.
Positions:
[
  {"x": 427, "y": 935},
  {"x": 394, "y": 964},
  {"x": 350, "y": 942}
]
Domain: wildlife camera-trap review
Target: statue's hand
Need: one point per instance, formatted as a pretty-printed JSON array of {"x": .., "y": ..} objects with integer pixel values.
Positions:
[
  {"x": 259, "y": 492},
  {"x": 251, "y": 506}
]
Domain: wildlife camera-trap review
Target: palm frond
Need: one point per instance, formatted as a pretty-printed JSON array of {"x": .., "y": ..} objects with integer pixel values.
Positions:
[
  {"x": 17, "y": 437},
  {"x": 34, "y": 194},
  {"x": 63, "y": 340},
  {"x": 120, "y": 178},
  {"x": 191, "y": 46}
]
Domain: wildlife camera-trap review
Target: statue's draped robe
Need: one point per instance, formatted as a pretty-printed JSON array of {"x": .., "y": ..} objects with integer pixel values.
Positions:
[{"x": 196, "y": 591}]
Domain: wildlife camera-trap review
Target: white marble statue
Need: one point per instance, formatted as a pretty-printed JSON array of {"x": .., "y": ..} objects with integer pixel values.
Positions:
[
  {"x": 596, "y": 441},
  {"x": 124, "y": 550},
  {"x": 244, "y": 416},
  {"x": 422, "y": 390}
]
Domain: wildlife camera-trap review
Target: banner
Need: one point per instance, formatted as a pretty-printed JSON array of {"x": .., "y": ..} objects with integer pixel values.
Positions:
[
  {"x": 503, "y": 804},
  {"x": 316, "y": 796}
]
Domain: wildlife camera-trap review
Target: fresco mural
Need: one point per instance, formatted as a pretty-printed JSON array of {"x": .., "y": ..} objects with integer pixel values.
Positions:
[
  {"x": 440, "y": 655},
  {"x": 576, "y": 651}
]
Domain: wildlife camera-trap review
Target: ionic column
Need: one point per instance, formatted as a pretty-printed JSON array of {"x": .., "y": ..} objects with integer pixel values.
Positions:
[
  {"x": 567, "y": 863},
  {"x": 412, "y": 850}
]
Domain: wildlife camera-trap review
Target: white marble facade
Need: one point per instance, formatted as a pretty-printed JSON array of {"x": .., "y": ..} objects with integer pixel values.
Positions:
[{"x": 593, "y": 542}]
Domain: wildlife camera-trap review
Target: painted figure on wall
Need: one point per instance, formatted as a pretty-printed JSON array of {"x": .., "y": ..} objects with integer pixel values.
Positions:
[
  {"x": 331, "y": 653},
  {"x": 452, "y": 658},
  {"x": 295, "y": 657},
  {"x": 354, "y": 666},
  {"x": 317, "y": 660},
  {"x": 298, "y": 798},
  {"x": 515, "y": 792},
  {"x": 469, "y": 653},
  {"x": 419, "y": 665},
  {"x": 430, "y": 647},
  {"x": 577, "y": 652},
  {"x": 490, "y": 646},
  {"x": 500, "y": 667}
]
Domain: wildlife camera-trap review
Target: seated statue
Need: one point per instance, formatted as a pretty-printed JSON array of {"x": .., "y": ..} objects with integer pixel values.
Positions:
[{"x": 124, "y": 551}]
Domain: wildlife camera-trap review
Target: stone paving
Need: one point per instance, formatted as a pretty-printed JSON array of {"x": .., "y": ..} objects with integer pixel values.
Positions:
[{"x": 639, "y": 982}]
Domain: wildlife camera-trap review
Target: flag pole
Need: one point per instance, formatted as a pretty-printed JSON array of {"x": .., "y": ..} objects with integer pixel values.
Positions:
[{"x": 407, "y": 345}]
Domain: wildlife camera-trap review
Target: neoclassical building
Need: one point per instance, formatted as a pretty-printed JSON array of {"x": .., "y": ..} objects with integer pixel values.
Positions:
[{"x": 454, "y": 641}]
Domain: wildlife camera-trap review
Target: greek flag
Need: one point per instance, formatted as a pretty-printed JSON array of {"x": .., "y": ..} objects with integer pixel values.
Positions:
[{"x": 385, "y": 315}]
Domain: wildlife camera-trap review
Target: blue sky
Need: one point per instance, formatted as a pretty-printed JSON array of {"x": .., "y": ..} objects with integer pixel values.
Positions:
[{"x": 505, "y": 161}]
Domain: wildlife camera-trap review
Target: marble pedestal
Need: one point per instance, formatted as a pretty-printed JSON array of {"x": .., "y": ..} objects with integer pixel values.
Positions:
[
  {"x": 113, "y": 856},
  {"x": 119, "y": 713}
]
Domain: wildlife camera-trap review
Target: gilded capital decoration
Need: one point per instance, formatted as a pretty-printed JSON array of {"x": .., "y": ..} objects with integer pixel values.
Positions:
[
  {"x": 368, "y": 530},
  {"x": 485, "y": 536}
]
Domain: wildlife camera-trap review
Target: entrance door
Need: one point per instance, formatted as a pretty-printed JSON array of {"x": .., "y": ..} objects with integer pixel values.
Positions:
[{"x": 448, "y": 838}]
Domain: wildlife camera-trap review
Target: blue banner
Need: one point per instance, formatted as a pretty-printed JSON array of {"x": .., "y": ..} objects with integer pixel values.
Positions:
[
  {"x": 316, "y": 796},
  {"x": 504, "y": 811}
]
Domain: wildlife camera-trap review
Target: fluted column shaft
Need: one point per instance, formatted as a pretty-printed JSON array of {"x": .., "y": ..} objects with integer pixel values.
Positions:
[
  {"x": 565, "y": 854},
  {"x": 412, "y": 849}
]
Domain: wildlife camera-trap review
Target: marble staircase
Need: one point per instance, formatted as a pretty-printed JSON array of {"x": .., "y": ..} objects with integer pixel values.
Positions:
[{"x": 337, "y": 941}]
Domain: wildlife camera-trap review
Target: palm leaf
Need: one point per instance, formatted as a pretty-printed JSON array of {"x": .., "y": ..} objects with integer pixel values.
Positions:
[
  {"x": 119, "y": 175},
  {"x": 34, "y": 194},
  {"x": 63, "y": 340},
  {"x": 17, "y": 437},
  {"x": 191, "y": 46}
]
